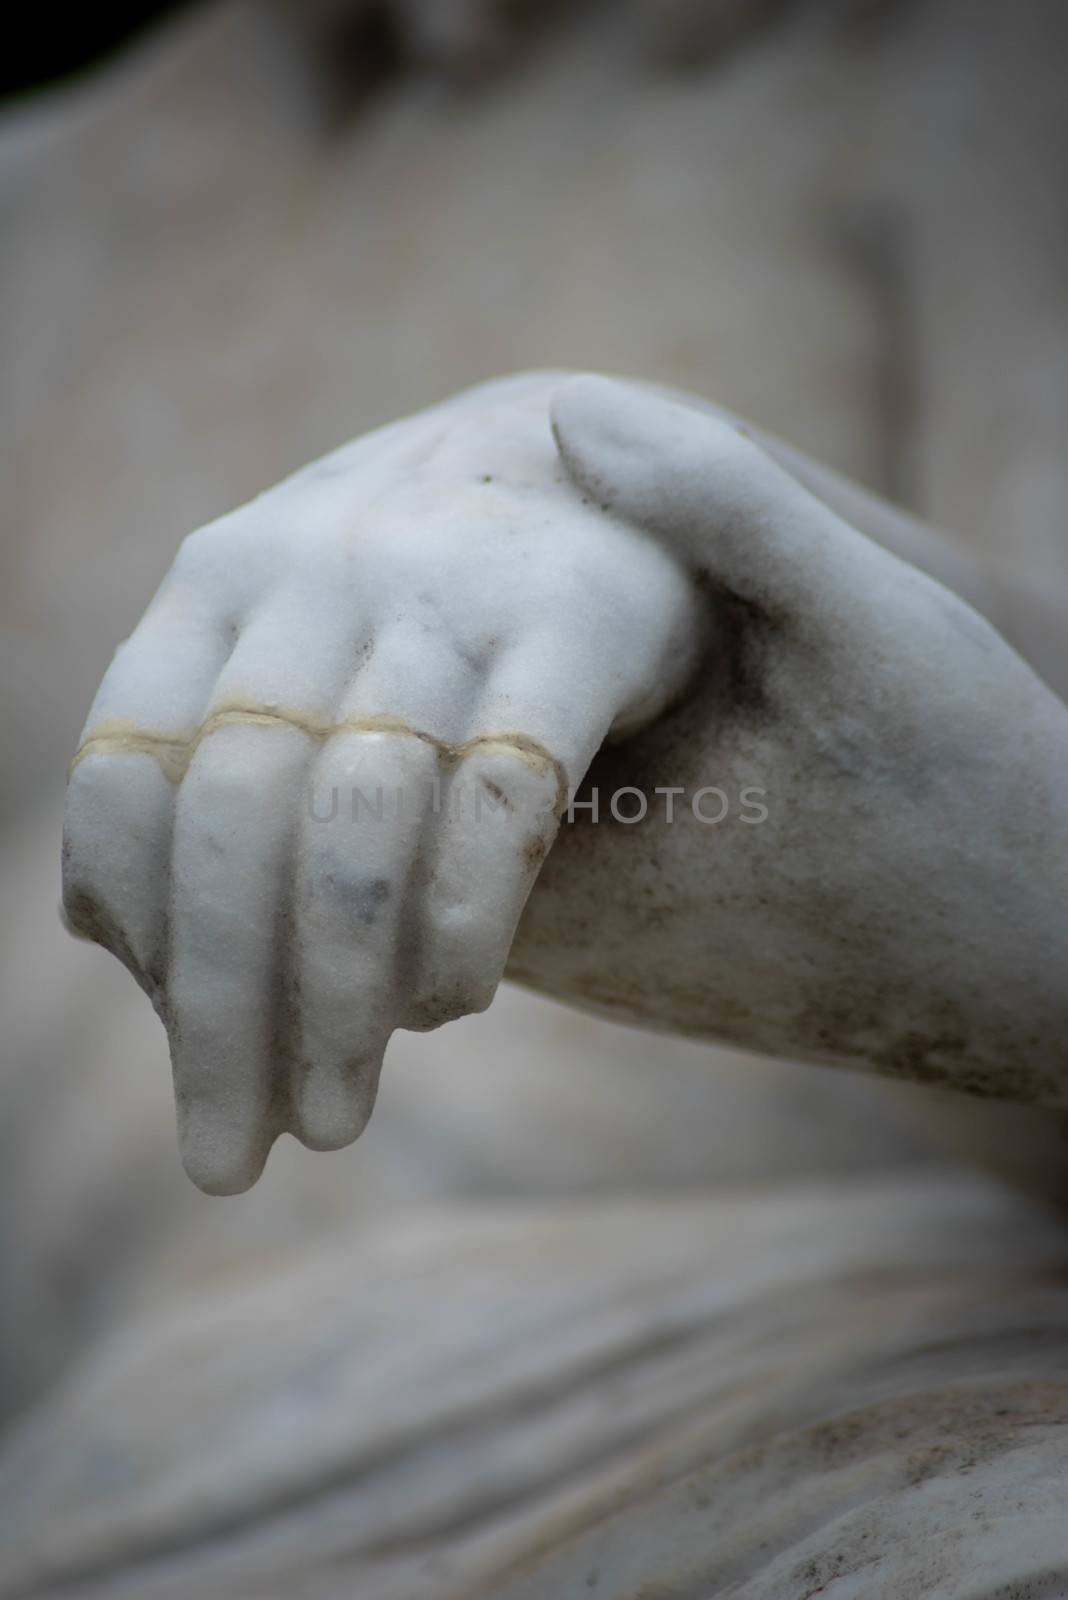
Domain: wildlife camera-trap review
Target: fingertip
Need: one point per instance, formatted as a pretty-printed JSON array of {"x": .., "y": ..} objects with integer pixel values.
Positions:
[
  {"x": 697, "y": 481},
  {"x": 217, "y": 1163},
  {"x": 581, "y": 395},
  {"x": 334, "y": 1102},
  {"x": 223, "y": 1142},
  {"x": 638, "y": 454},
  {"x": 463, "y": 996},
  {"x": 594, "y": 426}
]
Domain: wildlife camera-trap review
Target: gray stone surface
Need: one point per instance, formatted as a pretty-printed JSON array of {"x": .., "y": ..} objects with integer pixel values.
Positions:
[{"x": 215, "y": 267}]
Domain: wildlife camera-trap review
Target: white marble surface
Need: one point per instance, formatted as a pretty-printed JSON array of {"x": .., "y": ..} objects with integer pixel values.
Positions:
[
  {"x": 209, "y": 279},
  {"x": 320, "y": 779}
]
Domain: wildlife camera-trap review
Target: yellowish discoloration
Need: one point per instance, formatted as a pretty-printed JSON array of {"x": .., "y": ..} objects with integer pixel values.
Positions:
[{"x": 175, "y": 750}]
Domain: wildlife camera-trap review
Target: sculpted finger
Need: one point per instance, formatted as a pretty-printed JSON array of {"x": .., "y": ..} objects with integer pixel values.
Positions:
[
  {"x": 123, "y": 780},
  {"x": 705, "y": 488},
  {"x": 500, "y": 812},
  {"x": 226, "y": 990},
  {"x": 933, "y": 551},
  {"x": 367, "y": 809},
  {"x": 360, "y": 834},
  {"x": 228, "y": 995},
  {"x": 541, "y": 719}
]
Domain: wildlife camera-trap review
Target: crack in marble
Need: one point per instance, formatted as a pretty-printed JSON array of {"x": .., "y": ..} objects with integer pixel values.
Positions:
[{"x": 175, "y": 751}]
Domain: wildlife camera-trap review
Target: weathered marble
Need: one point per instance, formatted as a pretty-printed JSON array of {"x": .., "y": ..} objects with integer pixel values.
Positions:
[
  {"x": 203, "y": 290},
  {"x": 319, "y": 781},
  {"x": 855, "y": 1389}
]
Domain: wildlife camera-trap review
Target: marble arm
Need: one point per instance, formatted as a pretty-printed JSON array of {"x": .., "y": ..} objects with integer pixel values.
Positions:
[
  {"x": 892, "y": 910},
  {"x": 320, "y": 780}
]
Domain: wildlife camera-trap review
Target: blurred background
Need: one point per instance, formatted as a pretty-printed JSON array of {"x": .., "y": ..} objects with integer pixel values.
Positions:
[{"x": 236, "y": 235}]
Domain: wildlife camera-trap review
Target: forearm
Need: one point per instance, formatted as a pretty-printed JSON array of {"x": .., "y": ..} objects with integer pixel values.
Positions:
[{"x": 897, "y": 903}]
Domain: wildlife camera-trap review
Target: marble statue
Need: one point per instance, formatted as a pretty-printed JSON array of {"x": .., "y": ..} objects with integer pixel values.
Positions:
[
  {"x": 851, "y": 1389},
  {"x": 587, "y": 682}
]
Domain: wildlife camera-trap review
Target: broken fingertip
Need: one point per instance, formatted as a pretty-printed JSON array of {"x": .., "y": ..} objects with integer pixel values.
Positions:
[{"x": 449, "y": 1001}]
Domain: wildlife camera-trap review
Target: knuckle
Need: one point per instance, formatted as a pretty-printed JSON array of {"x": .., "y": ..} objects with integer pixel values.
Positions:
[
  {"x": 199, "y": 551},
  {"x": 227, "y": 558}
]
